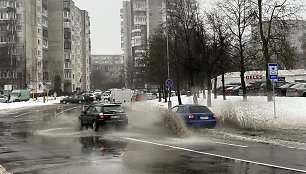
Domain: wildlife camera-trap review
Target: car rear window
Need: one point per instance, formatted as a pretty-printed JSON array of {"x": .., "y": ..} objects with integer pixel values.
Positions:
[
  {"x": 112, "y": 108},
  {"x": 198, "y": 109},
  {"x": 297, "y": 85}
]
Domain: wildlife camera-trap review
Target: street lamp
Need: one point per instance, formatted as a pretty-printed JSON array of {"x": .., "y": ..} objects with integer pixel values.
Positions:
[{"x": 168, "y": 64}]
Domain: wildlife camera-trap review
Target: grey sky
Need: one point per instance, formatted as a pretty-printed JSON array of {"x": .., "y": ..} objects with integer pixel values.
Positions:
[{"x": 105, "y": 25}]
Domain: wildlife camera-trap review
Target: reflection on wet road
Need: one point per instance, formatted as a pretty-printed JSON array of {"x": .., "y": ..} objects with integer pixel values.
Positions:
[{"x": 47, "y": 141}]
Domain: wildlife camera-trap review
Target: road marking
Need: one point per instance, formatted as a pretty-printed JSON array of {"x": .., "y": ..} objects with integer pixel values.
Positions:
[
  {"x": 229, "y": 144},
  {"x": 215, "y": 155},
  {"x": 21, "y": 114}
]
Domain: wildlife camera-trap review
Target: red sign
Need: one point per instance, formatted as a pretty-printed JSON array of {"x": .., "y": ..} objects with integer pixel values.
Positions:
[{"x": 254, "y": 77}]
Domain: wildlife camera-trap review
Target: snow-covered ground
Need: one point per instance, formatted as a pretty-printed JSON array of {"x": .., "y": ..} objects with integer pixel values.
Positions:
[
  {"x": 6, "y": 107},
  {"x": 290, "y": 111}
]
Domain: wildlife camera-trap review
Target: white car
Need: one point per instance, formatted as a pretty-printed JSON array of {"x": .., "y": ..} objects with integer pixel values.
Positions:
[{"x": 3, "y": 99}]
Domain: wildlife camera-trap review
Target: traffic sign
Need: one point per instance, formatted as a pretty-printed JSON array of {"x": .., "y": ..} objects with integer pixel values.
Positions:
[
  {"x": 169, "y": 82},
  {"x": 273, "y": 71}
]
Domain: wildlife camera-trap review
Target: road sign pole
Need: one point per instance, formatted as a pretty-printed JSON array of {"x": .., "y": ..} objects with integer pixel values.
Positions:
[{"x": 274, "y": 100}]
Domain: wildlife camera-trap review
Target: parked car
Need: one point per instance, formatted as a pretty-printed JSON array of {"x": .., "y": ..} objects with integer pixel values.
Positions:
[
  {"x": 253, "y": 88},
  {"x": 196, "y": 115},
  {"x": 3, "y": 98},
  {"x": 284, "y": 88},
  {"x": 236, "y": 90},
  {"x": 73, "y": 99},
  {"x": 89, "y": 97},
  {"x": 220, "y": 89},
  {"x": 297, "y": 90},
  {"x": 276, "y": 85},
  {"x": 103, "y": 114}
]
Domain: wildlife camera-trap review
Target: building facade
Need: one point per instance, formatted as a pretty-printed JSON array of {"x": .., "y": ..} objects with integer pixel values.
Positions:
[
  {"x": 107, "y": 71},
  {"x": 44, "y": 43},
  {"x": 140, "y": 19}
]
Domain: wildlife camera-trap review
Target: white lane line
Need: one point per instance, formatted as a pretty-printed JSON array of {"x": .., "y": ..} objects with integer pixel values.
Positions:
[
  {"x": 229, "y": 144},
  {"x": 21, "y": 114},
  {"x": 216, "y": 155}
]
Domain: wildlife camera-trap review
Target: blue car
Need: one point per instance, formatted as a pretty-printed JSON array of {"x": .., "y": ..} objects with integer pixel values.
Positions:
[{"x": 196, "y": 115}]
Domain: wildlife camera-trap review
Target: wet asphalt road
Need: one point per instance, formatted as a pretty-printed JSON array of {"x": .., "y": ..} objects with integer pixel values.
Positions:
[{"x": 45, "y": 140}]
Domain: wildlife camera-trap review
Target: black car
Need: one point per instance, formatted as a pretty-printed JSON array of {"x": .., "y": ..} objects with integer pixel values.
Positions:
[
  {"x": 103, "y": 114},
  {"x": 89, "y": 97},
  {"x": 73, "y": 99}
]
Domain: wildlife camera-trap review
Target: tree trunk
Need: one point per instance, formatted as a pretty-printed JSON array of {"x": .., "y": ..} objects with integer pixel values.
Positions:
[
  {"x": 159, "y": 96},
  {"x": 204, "y": 91},
  {"x": 223, "y": 86},
  {"x": 209, "y": 90},
  {"x": 215, "y": 87}
]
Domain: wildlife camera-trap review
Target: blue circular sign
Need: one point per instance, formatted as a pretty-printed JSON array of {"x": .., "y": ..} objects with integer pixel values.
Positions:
[{"x": 169, "y": 82}]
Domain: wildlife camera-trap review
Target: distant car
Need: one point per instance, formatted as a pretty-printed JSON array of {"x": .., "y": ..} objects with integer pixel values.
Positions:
[
  {"x": 89, "y": 97},
  {"x": 297, "y": 90},
  {"x": 105, "y": 97},
  {"x": 276, "y": 85},
  {"x": 236, "y": 90},
  {"x": 253, "y": 88},
  {"x": 73, "y": 99},
  {"x": 103, "y": 114},
  {"x": 284, "y": 88},
  {"x": 3, "y": 98},
  {"x": 196, "y": 115}
]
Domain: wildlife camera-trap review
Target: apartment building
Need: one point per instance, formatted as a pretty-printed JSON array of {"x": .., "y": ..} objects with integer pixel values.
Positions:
[
  {"x": 107, "y": 71},
  {"x": 44, "y": 43},
  {"x": 140, "y": 19},
  {"x": 69, "y": 46}
]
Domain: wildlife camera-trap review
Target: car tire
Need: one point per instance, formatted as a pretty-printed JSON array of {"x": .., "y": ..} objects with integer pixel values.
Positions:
[
  {"x": 95, "y": 126},
  {"x": 64, "y": 102},
  {"x": 80, "y": 102},
  {"x": 304, "y": 95}
]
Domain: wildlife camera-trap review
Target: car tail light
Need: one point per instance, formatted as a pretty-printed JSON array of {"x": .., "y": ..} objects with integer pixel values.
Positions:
[
  {"x": 101, "y": 115},
  {"x": 213, "y": 116},
  {"x": 191, "y": 116}
]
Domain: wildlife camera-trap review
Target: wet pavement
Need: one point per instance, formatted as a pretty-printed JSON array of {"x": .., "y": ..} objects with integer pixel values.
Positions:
[{"x": 45, "y": 140}]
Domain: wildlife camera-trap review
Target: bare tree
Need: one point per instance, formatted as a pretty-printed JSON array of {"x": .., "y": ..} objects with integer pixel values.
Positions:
[
  {"x": 238, "y": 18},
  {"x": 270, "y": 12}
]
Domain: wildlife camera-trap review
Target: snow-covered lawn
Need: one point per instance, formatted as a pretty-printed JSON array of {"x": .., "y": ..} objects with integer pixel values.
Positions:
[
  {"x": 5, "y": 107},
  {"x": 290, "y": 111}
]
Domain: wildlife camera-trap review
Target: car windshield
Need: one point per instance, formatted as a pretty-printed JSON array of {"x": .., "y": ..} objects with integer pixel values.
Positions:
[{"x": 198, "y": 109}]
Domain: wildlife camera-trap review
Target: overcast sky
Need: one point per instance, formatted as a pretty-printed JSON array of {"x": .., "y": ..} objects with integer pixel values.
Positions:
[{"x": 105, "y": 24}]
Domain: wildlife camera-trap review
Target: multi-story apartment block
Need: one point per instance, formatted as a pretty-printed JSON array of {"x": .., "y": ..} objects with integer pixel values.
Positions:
[
  {"x": 140, "y": 19},
  {"x": 44, "y": 42},
  {"x": 69, "y": 45},
  {"x": 107, "y": 71}
]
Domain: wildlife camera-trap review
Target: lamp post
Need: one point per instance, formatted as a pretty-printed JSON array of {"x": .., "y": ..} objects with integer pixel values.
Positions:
[{"x": 168, "y": 64}]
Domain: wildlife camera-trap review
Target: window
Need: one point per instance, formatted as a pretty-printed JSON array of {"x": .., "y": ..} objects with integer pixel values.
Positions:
[
  {"x": 38, "y": 42},
  {"x": 67, "y": 56},
  {"x": 3, "y": 15},
  {"x": 19, "y": 27},
  {"x": 73, "y": 76},
  {"x": 44, "y": 22},
  {"x": 67, "y": 66},
  {"x": 3, "y": 39},
  {"x": 38, "y": 20},
  {"x": 18, "y": 16},
  {"x": 3, "y": 28},
  {"x": 67, "y": 75},
  {"x": 66, "y": 14},
  {"x": 45, "y": 43},
  {"x": 39, "y": 53},
  {"x": 199, "y": 109},
  {"x": 39, "y": 30}
]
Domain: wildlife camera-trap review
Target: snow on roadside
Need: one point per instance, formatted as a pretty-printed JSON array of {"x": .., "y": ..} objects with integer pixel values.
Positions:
[
  {"x": 290, "y": 111},
  {"x": 3, "y": 171},
  {"x": 9, "y": 107}
]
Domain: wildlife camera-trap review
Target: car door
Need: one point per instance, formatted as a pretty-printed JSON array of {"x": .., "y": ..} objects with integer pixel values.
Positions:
[{"x": 88, "y": 115}]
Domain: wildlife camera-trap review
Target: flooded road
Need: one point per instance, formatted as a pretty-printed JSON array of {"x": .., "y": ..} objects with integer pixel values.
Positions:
[{"x": 45, "y": 140}]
